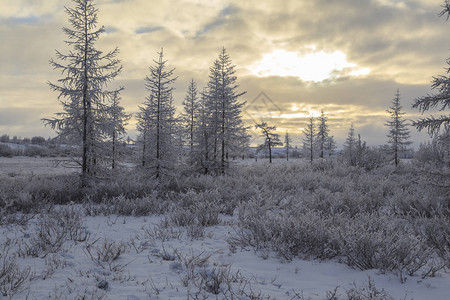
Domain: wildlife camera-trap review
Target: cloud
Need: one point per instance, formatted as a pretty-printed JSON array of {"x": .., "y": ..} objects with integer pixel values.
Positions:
[
  {"x": 149, "y": 29},
  {"x": 401, "y": 42},
  {"x": 23, "y": 9}
]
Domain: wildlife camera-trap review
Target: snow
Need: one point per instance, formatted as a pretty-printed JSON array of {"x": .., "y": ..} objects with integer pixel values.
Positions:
[
  {"x": 142, "y": 273},
  {"x": 154, "y": 266},
  {"x": 29, "y": 166}
]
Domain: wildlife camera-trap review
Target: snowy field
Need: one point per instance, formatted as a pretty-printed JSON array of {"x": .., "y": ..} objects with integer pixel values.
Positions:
[
  {"x": 22, "y": 166},
  {"x": 88, "y": 251},
  {"x": 138, "y": 258}
]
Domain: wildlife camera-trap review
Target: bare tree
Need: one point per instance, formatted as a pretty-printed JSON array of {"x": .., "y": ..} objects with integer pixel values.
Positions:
[
  {"x": 398, "y": 135},
  {"x": 271, "y": 139},
  {"x": 86, "y": 72}
]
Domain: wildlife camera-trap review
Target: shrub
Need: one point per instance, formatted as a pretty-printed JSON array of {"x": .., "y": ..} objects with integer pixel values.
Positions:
[
  {"x": 289, "y": 232},
  {"x": 53, "y": 230},
  {"x": 121, "y": 205},
  {"x": 367, "y": 291},
  {"x": 381, "y": 242},
  {"x": 11, "y": 276},
  {"x": 6, "y": 151}
]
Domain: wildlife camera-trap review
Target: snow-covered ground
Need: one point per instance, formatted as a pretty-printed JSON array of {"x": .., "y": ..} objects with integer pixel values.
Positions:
[
  {"x": 164, "y": 263},
  {"x": 19, "y": 166},
  {"x": 76, "y": 252}
]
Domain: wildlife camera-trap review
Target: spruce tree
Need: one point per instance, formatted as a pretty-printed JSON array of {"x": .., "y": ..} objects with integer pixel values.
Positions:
[{"x": 398, "y": 135}]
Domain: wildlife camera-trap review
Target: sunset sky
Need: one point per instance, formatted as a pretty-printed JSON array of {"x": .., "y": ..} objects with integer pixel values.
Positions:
[{"x": 347, "y": 57}]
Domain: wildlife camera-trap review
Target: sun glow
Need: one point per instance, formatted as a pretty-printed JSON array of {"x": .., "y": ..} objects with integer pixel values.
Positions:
[{"x": 315, "y": 66}]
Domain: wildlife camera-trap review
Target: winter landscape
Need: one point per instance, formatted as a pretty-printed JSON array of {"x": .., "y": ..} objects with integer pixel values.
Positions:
[{"x": 209, "y": 188}]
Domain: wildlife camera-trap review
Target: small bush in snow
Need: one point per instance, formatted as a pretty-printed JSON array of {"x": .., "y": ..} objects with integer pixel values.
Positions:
[
  {"x": 12, "y": 277},
  {"x": 368, "y": 291},
  {"x": 381, "y": 242},
  {"x": 53, "y": 230},
  {"x": 207, "y": 212},
  {"x": 163, "y": 231},
  {"x": 437, "y": 233},
  {"x": 195, "y": 231},
  {"x": 289, "y": 232},
  {"x": 182, "y": 216},
  {"x": 106, "y": 253}
]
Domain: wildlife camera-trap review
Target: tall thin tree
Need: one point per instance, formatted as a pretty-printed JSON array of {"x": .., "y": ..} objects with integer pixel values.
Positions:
[
  {"x": 398, "y": 135},
  {"x": 322, "y": 134},
  {"x": 156, "y": 120},
  {"x": 82, "y": 94},
  {"x": 119, "y": 120},
  {"x": 308, "y": 140},
  {"x": 287, "y": 145},
  {"x": 330, "y": 146},
  {"x": 224, "y": 110},
  {"x": 349, "y": 150},
  {"x": 191, "y": 107}
]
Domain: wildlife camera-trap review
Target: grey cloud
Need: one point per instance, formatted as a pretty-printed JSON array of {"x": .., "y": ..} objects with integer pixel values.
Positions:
[{"x": 150, "y": 29}]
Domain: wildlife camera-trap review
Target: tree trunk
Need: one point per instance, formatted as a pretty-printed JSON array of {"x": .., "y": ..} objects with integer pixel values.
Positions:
[
  {"x": 270, "y": 151},
  {"x": 114, "y": 150},
  {"x": 158, "y": 112},
  {"x": 86, "y": 106}
]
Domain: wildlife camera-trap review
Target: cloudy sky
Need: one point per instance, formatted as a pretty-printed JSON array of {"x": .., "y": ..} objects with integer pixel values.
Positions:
[{"x": 293, "y": 57}]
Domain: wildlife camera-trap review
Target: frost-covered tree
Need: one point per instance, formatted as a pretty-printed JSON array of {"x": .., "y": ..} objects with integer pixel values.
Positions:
[
  {"x": 271, "y": 139},
  {"x": 360, "y": 151},
  {"x": 4, "y": 138},
  {"x": 330, "y": 146},
  {"x": 440, "y": 100},
  {"x": 322, "y": 134},
  {"x": 349, "y": 150},
  {"x": 203, "y": 136},
  {"x": 222, "y": 112},
  {"x": 309, "y": 136},
  {"x": 398, "y": 135},
  {"x": 191, "y": 106},
  {"x": 82, "y": 89},
  {"x": 437, "y": 151},
  {"x": 156, "y": 120},
  {"x": 118, "y": 120},
  {"x": 287, "y": 145}
]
